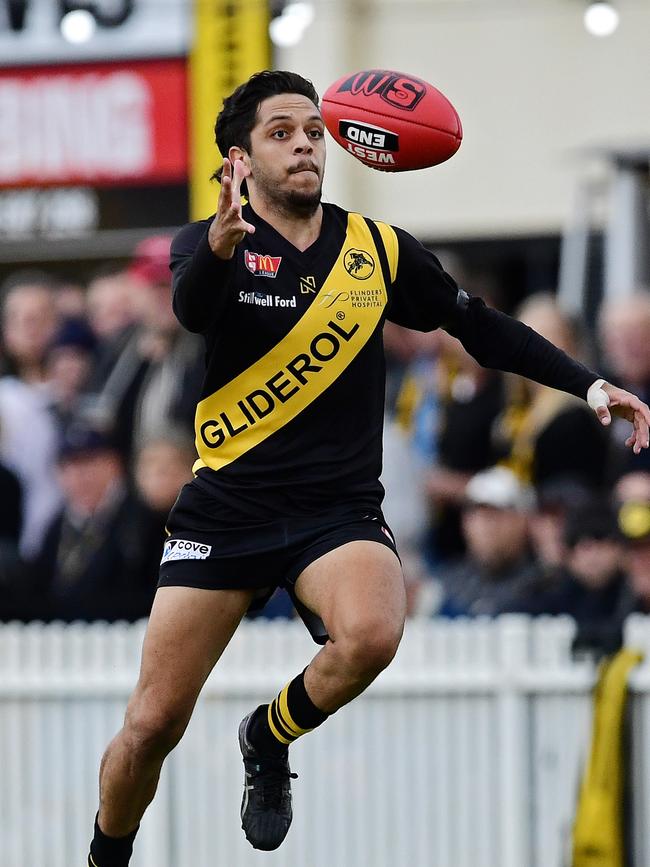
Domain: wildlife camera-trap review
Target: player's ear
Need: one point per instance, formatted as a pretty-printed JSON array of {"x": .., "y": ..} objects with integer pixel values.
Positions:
[{"x": 237, "y": 153}]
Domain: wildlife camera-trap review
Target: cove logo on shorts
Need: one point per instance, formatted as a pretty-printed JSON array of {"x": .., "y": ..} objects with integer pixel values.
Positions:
[{"x": 183, "y": 549}]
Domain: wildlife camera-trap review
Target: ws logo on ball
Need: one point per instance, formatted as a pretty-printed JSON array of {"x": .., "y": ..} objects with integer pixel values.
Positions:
[{"x": 397, "y": 90}]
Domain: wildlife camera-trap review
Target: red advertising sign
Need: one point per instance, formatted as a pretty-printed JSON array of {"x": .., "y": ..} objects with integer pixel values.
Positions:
[{"x": 98, "y": 124}]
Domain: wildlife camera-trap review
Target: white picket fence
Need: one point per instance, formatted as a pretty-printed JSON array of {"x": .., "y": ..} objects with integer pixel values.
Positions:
[{"x": 466, "y": 752}]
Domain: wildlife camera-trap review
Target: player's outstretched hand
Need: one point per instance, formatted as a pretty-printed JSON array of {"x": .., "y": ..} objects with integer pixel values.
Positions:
[
  {"x": 607, "y": 400},
  {"x": 228, "y": 228}
]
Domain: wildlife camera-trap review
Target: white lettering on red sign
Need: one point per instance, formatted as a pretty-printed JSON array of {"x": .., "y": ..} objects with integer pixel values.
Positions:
[{"x": 54, "y": 127}]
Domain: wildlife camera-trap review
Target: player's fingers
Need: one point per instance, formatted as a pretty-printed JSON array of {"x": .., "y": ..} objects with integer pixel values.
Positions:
[
  {"x": 634, "y": 440},
  {"x": 644, "y": 412},
  {"x": 238, "y": 223},
  {"x": 226, "y": 171},
  {"x": 604, "y": 415},
  {"x": 239, "y": 173},
  {"x": 642, "y": 431},
  {"x": 225, "y": 193}
]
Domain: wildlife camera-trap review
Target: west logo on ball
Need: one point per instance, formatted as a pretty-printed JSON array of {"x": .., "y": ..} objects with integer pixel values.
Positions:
[{"x": 396, "y": 89}]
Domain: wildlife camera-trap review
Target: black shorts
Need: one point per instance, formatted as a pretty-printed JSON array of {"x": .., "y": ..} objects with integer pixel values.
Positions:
[{"x": 204, "y": 551}]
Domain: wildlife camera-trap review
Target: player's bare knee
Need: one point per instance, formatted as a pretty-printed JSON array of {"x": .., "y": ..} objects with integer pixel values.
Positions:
[
  {"x": 154, "y": 731},
  {"x": 371, "y": 646}
]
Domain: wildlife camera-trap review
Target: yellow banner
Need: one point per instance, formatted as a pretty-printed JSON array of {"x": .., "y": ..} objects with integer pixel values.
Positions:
[
  {"x": 598, "y": 830},
  {"x": 231, "y": 42},
  {"x": 273, "y": 391}
]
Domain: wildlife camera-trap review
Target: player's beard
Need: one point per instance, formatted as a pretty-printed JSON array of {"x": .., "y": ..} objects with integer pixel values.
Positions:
[{"x": 299, "y": 203}]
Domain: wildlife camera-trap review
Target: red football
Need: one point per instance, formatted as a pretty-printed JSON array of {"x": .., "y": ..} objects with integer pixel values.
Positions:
[{"x": 391, "y": 121}]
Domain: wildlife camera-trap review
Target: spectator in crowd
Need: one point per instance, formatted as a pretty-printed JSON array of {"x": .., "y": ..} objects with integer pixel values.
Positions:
[
  {"x": 497, "y": 567},
  {"x": 470, "y": 399},
  {"x": 69, "y": 364},
  {"x": 409, "y": 446},
  {"x": 590, "y": 587},
  {"x": 632, "y": 498},
  {"x": 162, "y": 466},
  {"x": 552, "y": 434},
  {"x": 632, "y": 487},
  {"x": 405, "y": 505},
  {"x": 113, "y": 316},
  {"x": 110, "y": 304},
  {"x": 634, "y": 522},
  {"x": 624, "y": 329},
  {"x": 95, "y": 561},
  {"x": 555, "y": 498},
  {"x": 29, "y": 432},
  {"x": 29, "y": 321},
  {"x": 155, "y": 378},
  {"x": 70, "y": 300}
]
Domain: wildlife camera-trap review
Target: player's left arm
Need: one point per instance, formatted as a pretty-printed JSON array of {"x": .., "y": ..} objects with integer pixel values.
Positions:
[{"x": 423, "y": 296}]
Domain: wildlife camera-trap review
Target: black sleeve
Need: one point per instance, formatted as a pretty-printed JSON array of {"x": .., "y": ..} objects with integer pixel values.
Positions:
[
  {"x": 500, "y": 342},
  {"x": 198, "y": 278},
  {"x": 424, "y": 297}
]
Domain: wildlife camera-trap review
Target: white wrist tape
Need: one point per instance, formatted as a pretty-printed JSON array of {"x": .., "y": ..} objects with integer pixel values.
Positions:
[{"x": 596, "y": 396}]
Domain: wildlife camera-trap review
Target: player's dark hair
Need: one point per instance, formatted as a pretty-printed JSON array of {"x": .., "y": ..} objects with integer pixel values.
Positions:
[{"x": 239, "y": 113}]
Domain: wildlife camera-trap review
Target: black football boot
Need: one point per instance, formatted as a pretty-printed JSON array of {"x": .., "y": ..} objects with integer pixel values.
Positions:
[{"x": 266, "y": 805}]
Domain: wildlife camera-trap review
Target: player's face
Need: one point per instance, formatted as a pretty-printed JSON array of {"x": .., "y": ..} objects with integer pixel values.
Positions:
[{"x": 287, "y": 154}]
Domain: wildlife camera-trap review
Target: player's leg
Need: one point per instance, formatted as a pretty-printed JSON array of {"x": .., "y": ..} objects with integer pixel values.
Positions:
[
  {"x": 358, "y": 591},
  {"x": 187, "y": 632}
]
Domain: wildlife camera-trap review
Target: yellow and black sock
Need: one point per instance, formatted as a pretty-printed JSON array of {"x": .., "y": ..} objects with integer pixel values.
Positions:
[
  {"x": 110, "y": 851},
  {"x": 290, "y": 715}
]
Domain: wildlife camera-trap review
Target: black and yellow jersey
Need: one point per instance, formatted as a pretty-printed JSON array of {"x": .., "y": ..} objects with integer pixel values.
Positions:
[{"x": 291, "y": 411}]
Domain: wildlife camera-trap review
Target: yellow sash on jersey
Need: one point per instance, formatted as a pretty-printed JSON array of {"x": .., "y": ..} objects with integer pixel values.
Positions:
[{"x": 276, "y": 388}]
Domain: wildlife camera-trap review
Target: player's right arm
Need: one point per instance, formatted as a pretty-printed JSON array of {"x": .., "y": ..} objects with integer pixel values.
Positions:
[{"x": 202, "y": 256}]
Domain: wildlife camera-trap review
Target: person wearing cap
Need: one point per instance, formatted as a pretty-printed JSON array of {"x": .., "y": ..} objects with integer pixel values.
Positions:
[
  {"x": 634, "y": 524},
  {"x": 590, "y": 585},
  {"x": 69, "y": 361},
  {"x": 554, "y": 499},
  {"x": 95, "y": 561},
  {"x": 497, "y": 566}
]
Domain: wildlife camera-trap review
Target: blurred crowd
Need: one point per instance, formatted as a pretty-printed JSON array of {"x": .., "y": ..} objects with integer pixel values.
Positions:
[
  {"x": 504, "y": 495},
  {"x": 97, "y": 395},
  {"x": 526, "y": 502}
]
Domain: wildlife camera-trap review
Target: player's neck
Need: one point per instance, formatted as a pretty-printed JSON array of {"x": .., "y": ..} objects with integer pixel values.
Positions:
[{"x": 298, "y": 229}]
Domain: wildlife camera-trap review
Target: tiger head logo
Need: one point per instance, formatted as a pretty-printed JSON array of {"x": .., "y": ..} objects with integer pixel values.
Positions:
[{"x": 359, "y": 264}]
